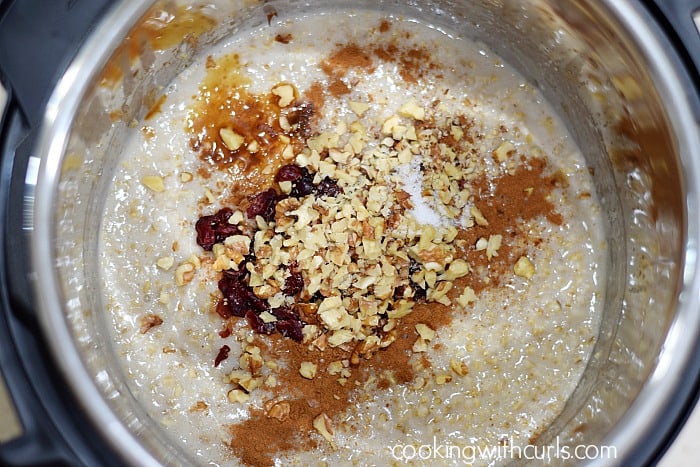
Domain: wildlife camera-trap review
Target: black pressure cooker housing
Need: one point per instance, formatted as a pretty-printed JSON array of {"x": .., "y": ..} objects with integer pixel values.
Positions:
[{"x": 38, "y": 39}]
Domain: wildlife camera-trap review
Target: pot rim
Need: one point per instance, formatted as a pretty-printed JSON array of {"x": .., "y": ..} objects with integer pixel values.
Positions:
[
  {"x": 52, "y": 142},
  {"x": 665, "y": 383},
  {"x": 656, "y": 409}
]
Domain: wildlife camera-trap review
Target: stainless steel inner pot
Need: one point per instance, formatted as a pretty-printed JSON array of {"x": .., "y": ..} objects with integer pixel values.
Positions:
[{"x": 602, "y": 64}]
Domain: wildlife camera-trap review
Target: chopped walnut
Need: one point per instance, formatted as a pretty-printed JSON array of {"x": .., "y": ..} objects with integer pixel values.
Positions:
[
  {"x": 493, "y": 245},
  {"x": 237, "y": 247},
  {"x": 165, "y": 263},
  {"x": 245, "y": 380},
  {"x": 232, "y": 140},
  {"x": 199, "y": 406},
  {"x": 184, "y": 274},
  {"x": 277, "y": 410},
  {"x": 457, "y": 268},
  {"x": 466, "y": 297},
  {"x": 425, "y": 332},
  {"x": 443, "y": 379},
  {"x": 359, "y": 108},
  {"x": 420, "y": 345},
  {"x": 154, "y": 183},
  {"x": 524, "y": 267},
  {"x": 459, "y": 367},
  {"x": 412, "y": 110},
  {"x": 478, "y": 216},
  {"x": 286, "y": 94},
  {"x": 308, "y": 370},
  {"x": 238, "y": 396},
  {"x": 251, "y": 360},
  {"x": 324, "y": 426},
  {"x": 504, "y": 150},
  {"x": 148, "y": 322}
]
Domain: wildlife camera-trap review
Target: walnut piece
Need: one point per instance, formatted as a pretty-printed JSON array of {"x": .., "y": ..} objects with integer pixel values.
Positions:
[
  {"x": 277, "y": 410},
  {"x": 524, "y": 267},
  {"x": 324, "y": 426},
  {"x": 308, "y": 370},
  {"x": 184, "y": 274},
  {"x": 285, "y": 92},
  {"x": 459, "y": 367},
  {"x": 154, "y": 183},
  {"x": 148, "y": 322},
  {"x": 237, "y": 396},
  {"x": 232, "y": 140}
]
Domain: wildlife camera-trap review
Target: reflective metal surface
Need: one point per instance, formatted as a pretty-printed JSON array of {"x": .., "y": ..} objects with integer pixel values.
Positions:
[
  {"x": 603, "y": 67},
  {"x": 9, "y": 424}
]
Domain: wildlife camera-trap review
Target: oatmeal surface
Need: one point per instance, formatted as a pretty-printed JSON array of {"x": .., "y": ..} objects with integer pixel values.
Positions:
[{"x": 433, "y": 275}]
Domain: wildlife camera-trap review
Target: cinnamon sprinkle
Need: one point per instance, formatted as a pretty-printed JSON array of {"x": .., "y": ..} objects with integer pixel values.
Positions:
[
  {"x": 413, "y": 62},
  {"x": 509, "y": 202},
  {"x": 259, "y": 439}
]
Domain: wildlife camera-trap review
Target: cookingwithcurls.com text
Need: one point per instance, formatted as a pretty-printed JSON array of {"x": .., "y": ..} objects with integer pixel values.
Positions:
[{"x": 505, "y": 450}]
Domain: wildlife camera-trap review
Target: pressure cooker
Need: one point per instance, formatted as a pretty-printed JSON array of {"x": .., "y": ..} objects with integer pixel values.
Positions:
[{"x": 643, "y": 378}]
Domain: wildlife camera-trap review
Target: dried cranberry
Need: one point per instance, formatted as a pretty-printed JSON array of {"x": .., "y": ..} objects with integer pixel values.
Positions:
[
  {"x": 226, "y": 331},
  {"x": 419, "y": 293},
  {"x": 256, "y": 303},
  {"x": 222, "y": 355},
  {"x": 399, "y": 291},
  {"x": 303, "y": 186},
  {"x": 263, "y": 204},
  {"x": 284, "y": 313},
  {"x": 288, "y": 323},
  {"x": 301, "y": 117},
  {"x": 293, "y": 284},
  {"x": 290, "y": 329},
  {"x": 223, "y": 309},
  {"x": 238, "y": 276},
  {"x": 318, "y": 297},
  {"x": 258, "y": 325},
  {"x": 235, "y": 301},
  {"x": 214, "y": 228},
  {"x": 225, "y": 230},
  {"x": 206, "y": 237},
  {"x": 239, "y": 298},
  {"x": 328, "y": 187},
  {"x": 289, "y": 173}
]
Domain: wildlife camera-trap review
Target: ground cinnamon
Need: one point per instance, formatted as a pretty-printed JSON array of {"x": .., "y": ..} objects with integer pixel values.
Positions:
[
  {"x": 258, "y": 439},
  {"x": 509, "y": 204}
]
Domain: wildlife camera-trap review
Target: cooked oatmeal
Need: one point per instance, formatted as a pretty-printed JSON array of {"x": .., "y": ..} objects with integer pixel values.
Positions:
[{"x": 318, "y": 248}]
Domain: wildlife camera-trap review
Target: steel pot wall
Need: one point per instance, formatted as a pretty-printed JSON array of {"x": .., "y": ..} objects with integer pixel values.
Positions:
[{"x": 603, "y": 65}]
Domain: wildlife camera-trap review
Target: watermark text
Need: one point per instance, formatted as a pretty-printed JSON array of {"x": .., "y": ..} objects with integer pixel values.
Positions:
[{"x": 505, "y": 450}]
